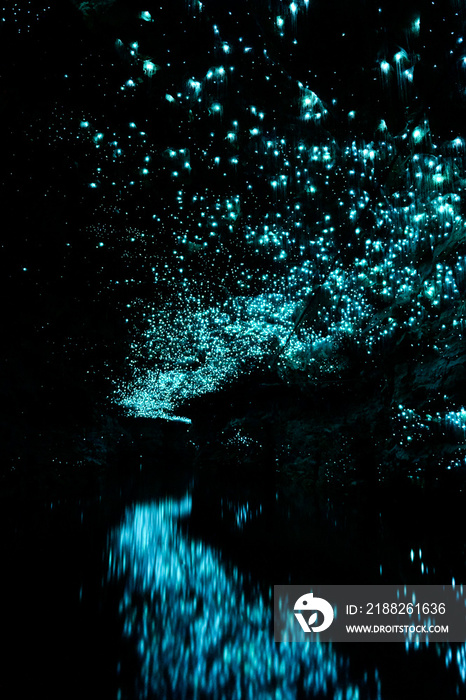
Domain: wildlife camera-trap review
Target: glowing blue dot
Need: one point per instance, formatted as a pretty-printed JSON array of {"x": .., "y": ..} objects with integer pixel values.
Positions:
[{"x": 149, "y": 68}]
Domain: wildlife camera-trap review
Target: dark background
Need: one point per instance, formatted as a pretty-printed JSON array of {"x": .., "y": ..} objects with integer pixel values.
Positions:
[{"x": 66, "y": 330}]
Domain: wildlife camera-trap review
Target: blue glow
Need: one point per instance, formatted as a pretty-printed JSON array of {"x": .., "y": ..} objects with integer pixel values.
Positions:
[
  {"x": 149, "y": 68},
  {"x": 182, "y": 608}
]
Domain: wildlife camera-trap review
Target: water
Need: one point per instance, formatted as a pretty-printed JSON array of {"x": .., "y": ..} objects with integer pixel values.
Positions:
[
  {"x": 199, "y": 630},
  {"x": 197, "y": 571},
  {"x": 157, "y": 585}
]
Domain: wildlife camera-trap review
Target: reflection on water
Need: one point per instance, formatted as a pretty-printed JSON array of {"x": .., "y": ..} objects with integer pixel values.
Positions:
[
  {"x": 197, "y": 631},
  {"x": 241, "y": 513},
  {"x": 452, "y": 653}
]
